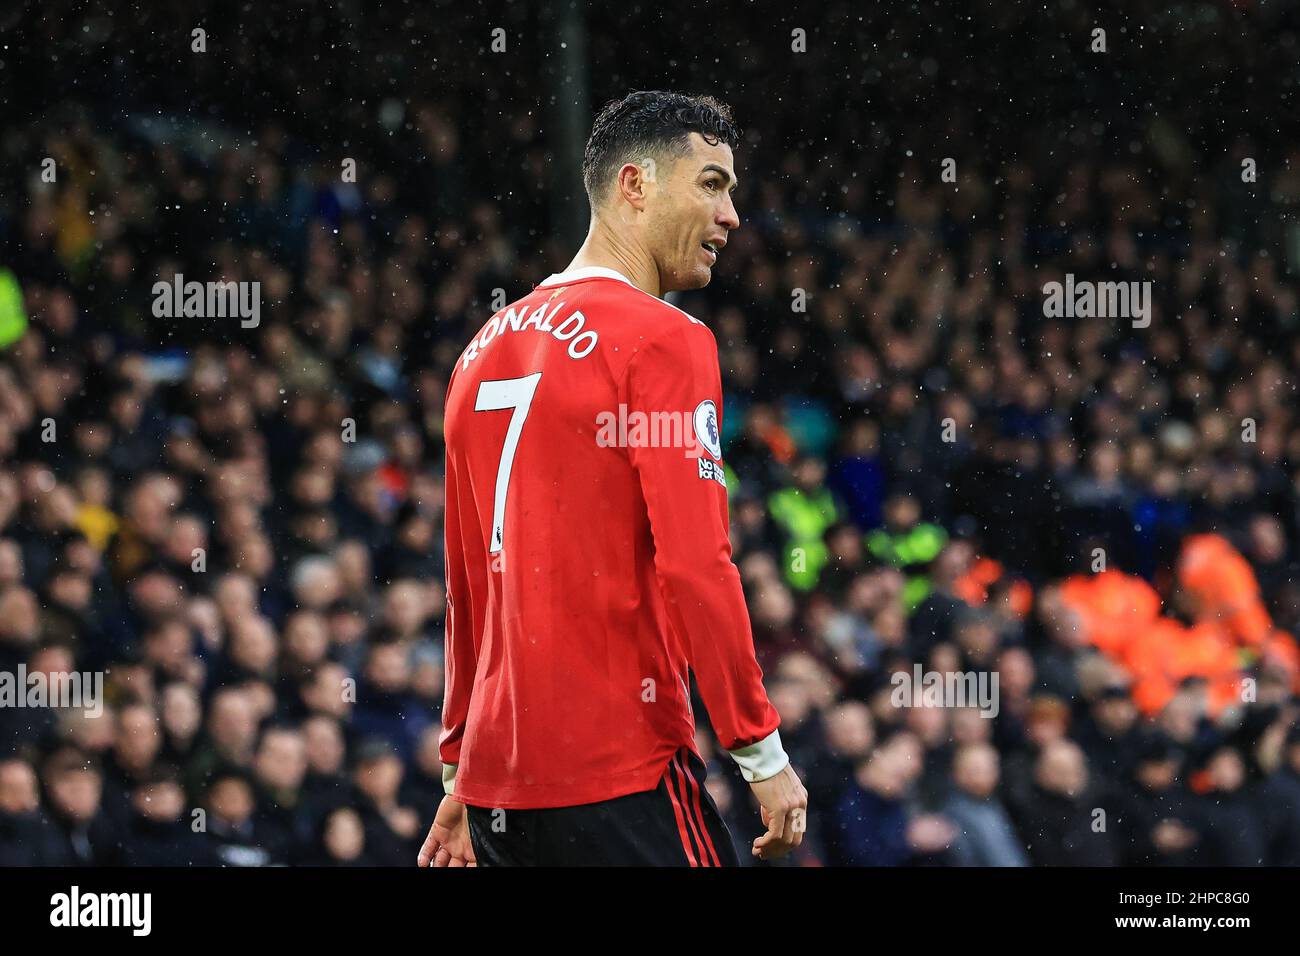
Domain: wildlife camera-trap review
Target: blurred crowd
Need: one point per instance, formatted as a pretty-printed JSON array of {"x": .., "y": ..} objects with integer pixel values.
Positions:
[{"x": 242, "y": 527}]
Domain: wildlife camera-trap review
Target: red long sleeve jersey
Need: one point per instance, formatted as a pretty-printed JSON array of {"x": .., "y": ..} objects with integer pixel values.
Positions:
[{"x": 587, "y": 549}]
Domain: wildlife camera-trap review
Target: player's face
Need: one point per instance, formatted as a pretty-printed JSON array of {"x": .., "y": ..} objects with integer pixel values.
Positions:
[{"x": 694, "y": 212}]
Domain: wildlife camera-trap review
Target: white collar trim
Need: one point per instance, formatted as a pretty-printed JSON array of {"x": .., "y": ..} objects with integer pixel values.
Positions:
[{"x": 587, "y": 272}]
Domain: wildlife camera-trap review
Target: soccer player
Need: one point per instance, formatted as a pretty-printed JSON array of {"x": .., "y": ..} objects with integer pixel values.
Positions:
[{"x": 589, "y": 569}]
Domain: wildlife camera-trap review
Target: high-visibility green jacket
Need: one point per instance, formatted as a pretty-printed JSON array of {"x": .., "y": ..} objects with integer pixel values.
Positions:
[
  {"x": 804, "y": 518},
  {"x": 913, "y": 548}
]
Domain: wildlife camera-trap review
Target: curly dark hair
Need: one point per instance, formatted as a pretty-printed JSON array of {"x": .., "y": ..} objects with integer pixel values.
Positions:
[{"x": 650, "y": 123}]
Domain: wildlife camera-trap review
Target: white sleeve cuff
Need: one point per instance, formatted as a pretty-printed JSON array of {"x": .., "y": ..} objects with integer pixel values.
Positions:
[
  {"x": 449, "y": 779},
  {"x": 764, "y": 759}
]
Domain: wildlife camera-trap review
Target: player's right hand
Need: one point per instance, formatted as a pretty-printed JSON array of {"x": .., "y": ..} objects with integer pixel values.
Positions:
[
  {"x": 783, "y": 802},
  {"x": 448, "y": 842}
]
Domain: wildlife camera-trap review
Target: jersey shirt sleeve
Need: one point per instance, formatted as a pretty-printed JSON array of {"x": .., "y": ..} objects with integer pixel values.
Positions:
[
  {"x": 460, "y": 646},
  {"x": 686, "y": 499}
]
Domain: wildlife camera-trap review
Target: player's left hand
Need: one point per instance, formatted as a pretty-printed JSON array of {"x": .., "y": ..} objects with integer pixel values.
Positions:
[
  {"x": 783, "y": 805},
  {"x": 448, "y": 842}
]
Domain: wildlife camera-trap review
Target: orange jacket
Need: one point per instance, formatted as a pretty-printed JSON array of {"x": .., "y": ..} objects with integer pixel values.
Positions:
[
  {"x": 973, "y": 587},
  {"x": 1115, "y": 608},
  {"x": 1168, "y": 653},
  {"x": 1223, "y": 585}
]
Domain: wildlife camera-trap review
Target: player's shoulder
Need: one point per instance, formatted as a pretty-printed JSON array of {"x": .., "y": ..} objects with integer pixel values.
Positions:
[{"x": 640, "y": 314}]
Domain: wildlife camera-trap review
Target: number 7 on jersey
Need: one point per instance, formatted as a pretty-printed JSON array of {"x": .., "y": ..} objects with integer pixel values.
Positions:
[{"x": 516, "y": 393}]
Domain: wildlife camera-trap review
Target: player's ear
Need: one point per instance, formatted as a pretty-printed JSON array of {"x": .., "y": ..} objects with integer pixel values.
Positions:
[{"x": 634, "y": 182}]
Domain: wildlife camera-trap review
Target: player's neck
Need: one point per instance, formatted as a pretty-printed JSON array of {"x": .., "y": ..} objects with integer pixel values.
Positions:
[{"x": 599, "y": 250}]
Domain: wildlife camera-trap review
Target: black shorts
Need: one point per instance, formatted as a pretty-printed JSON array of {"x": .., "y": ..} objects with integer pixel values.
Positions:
[{"x": 675, "y": 824}]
